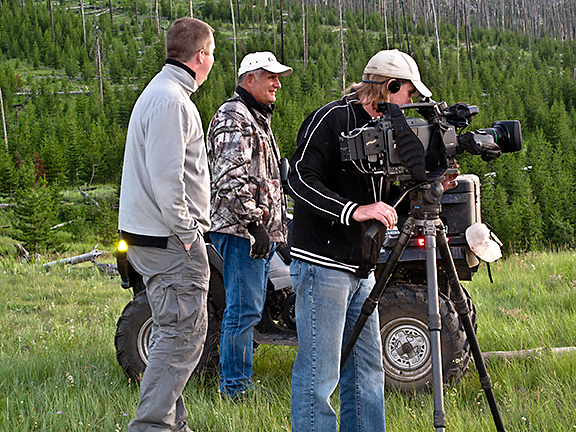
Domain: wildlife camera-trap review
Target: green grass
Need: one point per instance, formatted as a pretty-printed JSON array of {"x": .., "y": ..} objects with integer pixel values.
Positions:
[{"x": 59, "y": 372}]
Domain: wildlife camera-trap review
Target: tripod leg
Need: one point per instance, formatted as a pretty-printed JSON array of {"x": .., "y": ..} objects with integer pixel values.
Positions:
[
  {"x": 434, "y": 325},
  {"x": 457, "y": 294}
]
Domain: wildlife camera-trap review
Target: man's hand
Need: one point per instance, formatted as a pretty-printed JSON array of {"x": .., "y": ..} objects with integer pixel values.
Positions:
[
  {"x": 378, "y": 211},
  {"x": 481, "y": 144},
  {"x": 261, "y": 246},
  {"x": 450, "y": 180}
]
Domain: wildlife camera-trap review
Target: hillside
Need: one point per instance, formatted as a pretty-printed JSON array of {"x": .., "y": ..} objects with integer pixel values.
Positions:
[{"x": 70, "y": 74}]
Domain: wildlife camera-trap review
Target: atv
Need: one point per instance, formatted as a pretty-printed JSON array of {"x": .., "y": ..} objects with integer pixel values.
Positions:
[{"x": 402, "y": 308}]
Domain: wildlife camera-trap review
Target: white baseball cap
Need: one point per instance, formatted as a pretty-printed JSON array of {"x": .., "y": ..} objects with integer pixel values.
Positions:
[
  {"x": 396, "y": 64},
  {"x": 263, "y": 60}
]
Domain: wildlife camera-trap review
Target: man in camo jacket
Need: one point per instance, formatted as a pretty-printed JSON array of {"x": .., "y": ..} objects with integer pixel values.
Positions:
[{"x": 248, "y": 210}]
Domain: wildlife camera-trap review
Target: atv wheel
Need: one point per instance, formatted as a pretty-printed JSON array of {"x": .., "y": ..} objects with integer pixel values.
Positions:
[
  {"x": 133, "y": 336},
  {"x": 406, "y": 346}
]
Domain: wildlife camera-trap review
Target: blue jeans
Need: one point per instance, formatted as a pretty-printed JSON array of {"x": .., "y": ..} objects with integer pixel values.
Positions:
[
  {"x": 328, "y": 303},
  {"x": 245, "y": 281}
]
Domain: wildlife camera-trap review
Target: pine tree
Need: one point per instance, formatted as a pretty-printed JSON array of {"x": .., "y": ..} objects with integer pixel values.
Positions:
[
  {"x": 35, "y": 213},
  {"x": 7, "y": 175}
]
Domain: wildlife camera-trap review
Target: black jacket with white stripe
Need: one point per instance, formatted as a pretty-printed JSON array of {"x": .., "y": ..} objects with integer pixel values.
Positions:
[{"x": 327, "y": 191}]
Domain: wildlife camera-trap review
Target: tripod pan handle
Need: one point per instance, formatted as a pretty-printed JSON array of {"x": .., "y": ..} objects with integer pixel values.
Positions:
[{"x": 374, "y": 229}]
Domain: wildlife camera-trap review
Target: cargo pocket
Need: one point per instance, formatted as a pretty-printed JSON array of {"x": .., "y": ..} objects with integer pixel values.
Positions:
[
  {"x": 164, "y": 302},
  {"x": 192, "y": 304}
]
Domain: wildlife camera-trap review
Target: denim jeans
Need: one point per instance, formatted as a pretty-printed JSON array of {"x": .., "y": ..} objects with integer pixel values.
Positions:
[
  {"x": 328, "y": 303},
  {"x": 245, "y": 281}
]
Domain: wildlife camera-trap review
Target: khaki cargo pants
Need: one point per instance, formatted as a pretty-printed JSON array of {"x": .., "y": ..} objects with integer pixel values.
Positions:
[{"x": 177, "y": 287}]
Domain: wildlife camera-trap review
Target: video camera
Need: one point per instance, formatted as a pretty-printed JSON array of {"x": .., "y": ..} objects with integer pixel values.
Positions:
[{"x": 405, "y": 148}]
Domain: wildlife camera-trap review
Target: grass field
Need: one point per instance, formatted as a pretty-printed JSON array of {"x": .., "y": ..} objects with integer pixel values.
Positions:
[{"x": 59, "y": 373}]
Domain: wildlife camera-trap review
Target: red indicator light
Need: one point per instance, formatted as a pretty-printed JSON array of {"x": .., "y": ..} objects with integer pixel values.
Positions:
[{"x": 420, "y": 242}]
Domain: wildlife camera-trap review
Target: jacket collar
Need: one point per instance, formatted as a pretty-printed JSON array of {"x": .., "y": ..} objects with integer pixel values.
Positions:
[
  {"x": 181, "y": 65},
  {"x": 251, "y": 102},
  {"x": 181, "y": 76}
]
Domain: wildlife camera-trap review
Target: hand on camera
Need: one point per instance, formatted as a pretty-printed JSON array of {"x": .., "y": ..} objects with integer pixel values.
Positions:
[
  {"x": 261, "y": 246},
  {"x": 490, "y": 152},
  {"x": 450, "y": 179},
  {"x": 428, "y": 113},
  {"x": 477, "y": 146},
  {"x": 378, "y": 211}
]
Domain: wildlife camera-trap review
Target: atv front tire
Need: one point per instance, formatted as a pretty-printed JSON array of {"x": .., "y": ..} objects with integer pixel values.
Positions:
[
  {"x": 133, "y": 335},
  {"x": 406, "y": 345}
]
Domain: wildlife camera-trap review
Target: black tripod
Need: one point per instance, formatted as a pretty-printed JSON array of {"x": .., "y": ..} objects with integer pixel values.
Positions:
[{"x": 425, "y": 217}]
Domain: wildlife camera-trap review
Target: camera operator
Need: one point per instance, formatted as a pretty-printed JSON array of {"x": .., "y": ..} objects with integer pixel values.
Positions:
[{"x": 335, "y": 204}]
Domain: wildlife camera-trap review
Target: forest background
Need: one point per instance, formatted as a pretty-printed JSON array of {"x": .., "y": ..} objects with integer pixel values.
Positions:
[{"x": 70, "y": 73}]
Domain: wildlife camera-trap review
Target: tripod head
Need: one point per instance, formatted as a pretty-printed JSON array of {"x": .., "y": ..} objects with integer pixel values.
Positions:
[
  {"x": 425, "y": 199},
  {"x": 424, "y": 203}
]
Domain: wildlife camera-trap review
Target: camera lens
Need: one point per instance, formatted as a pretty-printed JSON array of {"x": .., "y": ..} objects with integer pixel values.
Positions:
[{"x": 507, "y": 135}]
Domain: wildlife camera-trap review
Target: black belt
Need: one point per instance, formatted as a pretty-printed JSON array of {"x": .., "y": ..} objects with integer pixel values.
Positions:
[{"x": 144, "y": 240}]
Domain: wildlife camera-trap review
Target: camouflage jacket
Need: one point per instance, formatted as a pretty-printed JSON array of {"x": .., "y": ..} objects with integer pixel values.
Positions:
[{"x": 244, "y": 161}]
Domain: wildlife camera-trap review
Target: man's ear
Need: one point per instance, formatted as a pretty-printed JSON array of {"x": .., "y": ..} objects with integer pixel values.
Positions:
[
  {"x": 249, "y": 80},
  {"x": 199, "y": 56}
]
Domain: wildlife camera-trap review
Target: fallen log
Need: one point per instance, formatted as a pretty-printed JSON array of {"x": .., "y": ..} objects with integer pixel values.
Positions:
[
  {"x": 526, "y": 353},
  {"x": 90, "y": 256}
]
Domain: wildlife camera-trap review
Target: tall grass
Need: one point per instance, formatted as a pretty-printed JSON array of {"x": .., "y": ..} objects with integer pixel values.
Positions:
[{"x": 58, "y": 370}]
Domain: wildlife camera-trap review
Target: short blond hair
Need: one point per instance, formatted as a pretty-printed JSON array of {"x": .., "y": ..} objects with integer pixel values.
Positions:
[
  {"x": 370, "y": 93},
  {"x": 185, "y": 37}
]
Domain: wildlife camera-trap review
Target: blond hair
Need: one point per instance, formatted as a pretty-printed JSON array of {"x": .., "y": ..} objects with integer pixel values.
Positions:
[
  {"x": 370, "y": 93},
  {"x": 185, "y": 37}
]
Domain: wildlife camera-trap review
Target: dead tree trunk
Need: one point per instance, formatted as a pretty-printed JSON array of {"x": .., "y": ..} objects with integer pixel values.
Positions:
[
  {"x": 526, "y": 353},
  {"x": 99, "y": 64},
  {"x": 3, "y": 120},
  {"x": 282, "y": 28},
  {"x": 426, "y": 16},
  {"x": 342, "y": 48},
  {"x": 238, "y": 12},
  {"x": 384, "y": 17},
  {"x": 406, "y": 28},
  {"x": 253, "y": 25},
  {"x": 304, "y": 36},
  {"x": 136, "y": 11},
  {"x": 52, "y": 22},
  {"x": 157, "y": 19},
  {"x": 84, "y": 21},
  {"x": 436, "y": 34},
  {"x": 110, "y": 8},
  {"x": 191, "y": 9},
  {"x": 393, "y": 19},
  {"x": 234, "y": 40},
  {"x": 468, "y": 43},
  {"x": 364, "y": 15},
  {"x": 457, "y": 13},
  {"x": 89, "y": 256},
  {"x": 398, "y": 23},
  {"x": 273, "y": 27}
]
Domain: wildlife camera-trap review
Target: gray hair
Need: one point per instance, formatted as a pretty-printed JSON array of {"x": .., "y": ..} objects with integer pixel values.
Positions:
[{"x": 257, "y": 74}]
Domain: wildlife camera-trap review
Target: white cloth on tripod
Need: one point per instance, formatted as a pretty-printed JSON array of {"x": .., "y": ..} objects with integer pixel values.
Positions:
[{"x": 483, "y": 243}]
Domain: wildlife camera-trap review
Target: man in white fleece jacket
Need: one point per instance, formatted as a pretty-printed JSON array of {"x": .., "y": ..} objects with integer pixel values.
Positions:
[{"x": 164, "y": 212}]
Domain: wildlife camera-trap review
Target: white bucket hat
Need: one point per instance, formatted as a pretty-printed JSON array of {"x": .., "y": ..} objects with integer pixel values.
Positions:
[
  {"x": 263, "y": 60},
  {"x": 396, "y": 64}
]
